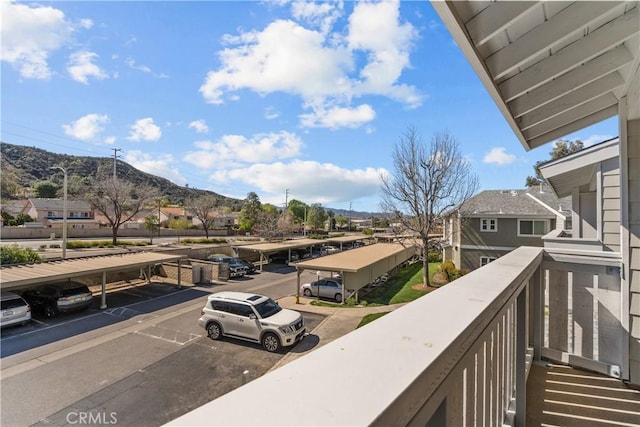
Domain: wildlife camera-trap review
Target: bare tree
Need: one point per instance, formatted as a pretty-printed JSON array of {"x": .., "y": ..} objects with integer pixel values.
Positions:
[
  {"x": 119, "y": 201},
  {"x": 427, "y": 182},
  {"x": 207, "y": 209}
]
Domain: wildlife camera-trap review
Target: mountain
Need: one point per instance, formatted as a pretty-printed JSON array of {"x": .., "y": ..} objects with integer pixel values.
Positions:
[{"x": 22, "y": 166}]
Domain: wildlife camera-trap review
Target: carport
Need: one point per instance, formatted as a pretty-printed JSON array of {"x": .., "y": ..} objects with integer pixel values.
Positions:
[
  {"x": 264, "y": 249},
  {"x": 18, "y": 277},
  {"x": 360, "y": 266},
  {"x": 346, "y": 239}
]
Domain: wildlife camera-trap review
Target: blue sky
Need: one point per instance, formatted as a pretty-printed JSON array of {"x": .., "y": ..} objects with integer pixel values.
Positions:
[{"x": 244, "y": 96}]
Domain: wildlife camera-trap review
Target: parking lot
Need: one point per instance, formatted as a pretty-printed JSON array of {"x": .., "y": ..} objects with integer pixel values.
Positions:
[{"x": 143, "y": 360}]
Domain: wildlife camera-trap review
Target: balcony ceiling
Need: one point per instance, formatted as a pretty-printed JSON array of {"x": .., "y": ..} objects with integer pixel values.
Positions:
[{"x": 552, "y": 68}]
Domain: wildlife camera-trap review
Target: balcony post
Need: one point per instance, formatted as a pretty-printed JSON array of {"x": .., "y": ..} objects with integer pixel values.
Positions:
[
  {"x": 521, "y": 353},
  {"x": 537, "y": 318}
]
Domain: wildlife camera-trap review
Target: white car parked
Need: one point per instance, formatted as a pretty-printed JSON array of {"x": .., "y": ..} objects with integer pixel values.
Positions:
[{"x": 251, "y": 317}]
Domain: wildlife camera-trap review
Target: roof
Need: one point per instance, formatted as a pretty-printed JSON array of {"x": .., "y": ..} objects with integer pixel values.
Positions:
[
  {"x": 58, "y": 204},
  {"x": 354, "y": 259},
  {"x": 280, "y": 246},
  {"x": 552, "y": 68},
  {"x": 577, "y": 169},
  {"x": 24, "y": 275},
  {"x": 238, "y": 296},
  {"x": 532, "y": 202},
  {"x": 14, "y": 207}
]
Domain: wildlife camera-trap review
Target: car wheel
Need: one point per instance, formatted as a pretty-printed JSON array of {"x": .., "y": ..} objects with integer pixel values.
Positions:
[
  {"x": 307, "y": 292},
  {"x": 49, "y": 311},
  {"x": 214, "y": 331},
  {"x": 338, "y": 297},
  {"x": 270, "y": 342}
]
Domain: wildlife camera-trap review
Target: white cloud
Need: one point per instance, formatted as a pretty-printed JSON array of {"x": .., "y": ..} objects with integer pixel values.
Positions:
[
  {"x": 86, "y": 23},
  {"x": 29, "y": 35},
  {"x": 144, "y": 130},
  {"x": 321, "y": 15},
  {"x": 309, "y": 180},
  {"x": 132, "y": 64},
  {"x": 238, "y": 149},
  {"x": 271, "y": 113},
  {"x": 87, "y": 127},
  {"x": 200, "y": 126},
  {"x": 338, "y": 117},
  {"x": 594, "y": 139},
  {"x": 160, "y": 166},
  {"x": 110, "y": 140},
  {"x": 320, "y": 66},
  {"x": 499, "y": 156},
  {"x": 376, "y": 29},
  {"x": 81, "y": 67}
]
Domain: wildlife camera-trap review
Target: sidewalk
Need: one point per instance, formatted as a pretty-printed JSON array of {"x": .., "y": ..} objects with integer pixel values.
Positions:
[{"x": 338, "y": 322}]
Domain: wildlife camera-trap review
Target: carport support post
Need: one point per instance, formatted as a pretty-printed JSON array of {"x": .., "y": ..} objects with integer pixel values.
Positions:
[
  {"x": 298, "y": 287},
  {"x": 103, "y": 301},
  {"x": 179, "y": 273}
]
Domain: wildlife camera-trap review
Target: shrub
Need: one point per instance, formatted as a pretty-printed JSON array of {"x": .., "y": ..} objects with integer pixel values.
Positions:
[
  {"x": 367, "y": 232},
  {"x": 434, "y": 256},
  {"x": 14, "y": 254},
  {"x": 449, "y": 269}
]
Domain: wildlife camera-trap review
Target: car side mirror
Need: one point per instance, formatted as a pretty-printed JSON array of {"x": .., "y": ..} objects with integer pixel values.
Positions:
[{"x": 253, "y": 317}]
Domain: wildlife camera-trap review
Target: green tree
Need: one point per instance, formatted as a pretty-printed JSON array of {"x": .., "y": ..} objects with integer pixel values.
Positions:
[
  {"x": 560, "y": 149},
  {"x": 14, "y": 254},
  {"x": 152, "y": 225},
  {"x": 298, "y": 210},
  {"x": 316, "y": 217},
  {"x": 341, "y": 221},
  {"x": 46, "y": 189},
  {"x": 249, "y": 212}
]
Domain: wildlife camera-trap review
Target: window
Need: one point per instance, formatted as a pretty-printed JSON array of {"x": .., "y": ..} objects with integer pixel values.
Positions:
[
  {"x": 530, "y": 227},
  {"x": 488, "y": 224},
  {"x": 484, "y": 260}
]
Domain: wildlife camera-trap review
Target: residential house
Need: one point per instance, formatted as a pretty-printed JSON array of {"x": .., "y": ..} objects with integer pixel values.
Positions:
[
  {"x": 50, "y": 213},
  {"x": 495, "y": 222}
]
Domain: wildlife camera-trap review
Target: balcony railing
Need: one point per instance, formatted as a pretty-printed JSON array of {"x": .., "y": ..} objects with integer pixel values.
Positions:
[{"x": 459, "y": 356}]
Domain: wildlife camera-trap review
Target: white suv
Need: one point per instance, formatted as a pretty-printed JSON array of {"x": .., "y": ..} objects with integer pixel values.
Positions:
[{"x": 251, "y": 317}]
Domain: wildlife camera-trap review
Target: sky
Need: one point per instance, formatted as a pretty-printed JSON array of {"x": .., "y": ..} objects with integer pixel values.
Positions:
[{"x": 288, "y": 99}]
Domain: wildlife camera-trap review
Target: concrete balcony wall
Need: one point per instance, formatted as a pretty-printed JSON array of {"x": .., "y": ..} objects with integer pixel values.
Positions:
[{"x": 455, "y": 357}]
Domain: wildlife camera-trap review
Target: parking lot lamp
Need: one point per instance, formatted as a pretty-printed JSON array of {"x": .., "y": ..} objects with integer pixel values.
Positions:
[{"x": 64, "y": 211}]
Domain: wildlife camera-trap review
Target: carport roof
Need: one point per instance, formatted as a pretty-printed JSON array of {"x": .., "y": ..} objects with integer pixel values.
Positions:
[
  {"x": 353, "y": 260},
  {"x": 19, "y": 276},
  {"x": 281, "y": 246},
  {"x": 346, "y": 239}
]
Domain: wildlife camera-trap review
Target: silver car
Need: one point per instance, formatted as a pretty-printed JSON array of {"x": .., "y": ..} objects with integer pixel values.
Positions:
[
  {"x": 328, "y": 288},
  {"x": 15, "y": 310}
]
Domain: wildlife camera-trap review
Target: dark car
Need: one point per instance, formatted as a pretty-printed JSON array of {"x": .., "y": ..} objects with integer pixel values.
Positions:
[
  {"x": 236, "y": 267},
  {"x": 54, "y": 299},
  {"x": 251, "y": 268}
]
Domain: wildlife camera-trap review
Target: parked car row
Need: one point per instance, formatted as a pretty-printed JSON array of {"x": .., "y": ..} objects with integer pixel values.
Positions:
[
  {"x": 49, "y": 300},
  {"x": 282, "y": 257}
]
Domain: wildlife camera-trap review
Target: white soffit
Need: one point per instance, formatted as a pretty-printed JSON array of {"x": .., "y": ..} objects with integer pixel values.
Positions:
[{"x": 552, "y": 67}]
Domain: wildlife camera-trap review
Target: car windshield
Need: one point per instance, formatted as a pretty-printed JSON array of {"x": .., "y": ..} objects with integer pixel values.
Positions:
[{"x": 268, "y": 308}]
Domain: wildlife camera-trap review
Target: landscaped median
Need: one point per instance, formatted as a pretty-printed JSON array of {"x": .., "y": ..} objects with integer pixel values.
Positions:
[{"x": 403, "y": 287}]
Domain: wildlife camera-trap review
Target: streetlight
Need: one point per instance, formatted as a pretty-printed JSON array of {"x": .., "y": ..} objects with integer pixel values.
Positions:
[{"x": 64, "y": 212}]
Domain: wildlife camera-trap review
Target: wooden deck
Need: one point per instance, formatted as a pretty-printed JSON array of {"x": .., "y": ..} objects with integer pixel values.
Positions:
[{"x": 559, "y": 395}]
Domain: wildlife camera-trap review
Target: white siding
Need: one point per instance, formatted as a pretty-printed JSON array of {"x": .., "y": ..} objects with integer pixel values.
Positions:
[{"x": 633, "y": 135}]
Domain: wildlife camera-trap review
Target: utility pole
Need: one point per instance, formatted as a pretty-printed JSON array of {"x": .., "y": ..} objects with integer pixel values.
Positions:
[
  {"x": 115, "y": 157},
  {"x": 349, "y": 216},
  {"x": 286, "y": 199}
]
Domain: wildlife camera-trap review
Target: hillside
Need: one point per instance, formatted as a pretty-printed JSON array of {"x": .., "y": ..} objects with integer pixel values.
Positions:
[{"x": 23, "y": 166}]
